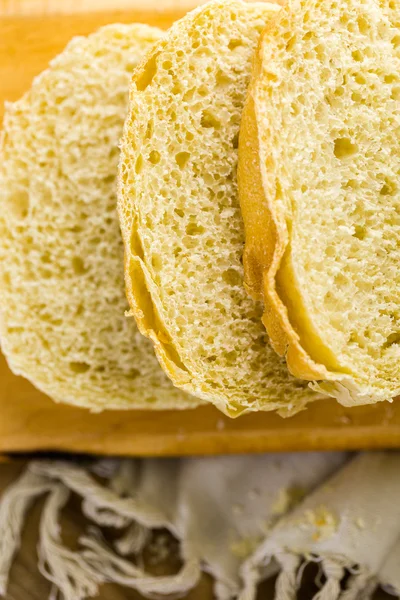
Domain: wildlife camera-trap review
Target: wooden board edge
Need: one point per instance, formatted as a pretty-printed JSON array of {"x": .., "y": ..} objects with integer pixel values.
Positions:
[{"x": 200, "y": 444}]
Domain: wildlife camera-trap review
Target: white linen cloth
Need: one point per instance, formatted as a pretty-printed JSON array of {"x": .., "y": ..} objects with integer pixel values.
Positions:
[
  {"x": 240, "y": 518},
  {"x": 351, "y": 522},
  {"x": 389, "y": 575}
]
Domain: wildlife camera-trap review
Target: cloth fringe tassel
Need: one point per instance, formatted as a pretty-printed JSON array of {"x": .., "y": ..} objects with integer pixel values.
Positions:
[{"x": 78, "y": 574}]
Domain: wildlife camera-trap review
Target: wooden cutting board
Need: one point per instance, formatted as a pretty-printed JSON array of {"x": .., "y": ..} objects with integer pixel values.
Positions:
[{"x": 31, "y": 33}]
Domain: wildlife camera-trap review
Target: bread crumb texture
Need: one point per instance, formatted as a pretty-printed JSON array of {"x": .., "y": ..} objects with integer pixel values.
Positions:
[
  {"x": 62, "y": 294},
  {"x": 326, "y": 93},
  {"x": 180, "y": 214}
]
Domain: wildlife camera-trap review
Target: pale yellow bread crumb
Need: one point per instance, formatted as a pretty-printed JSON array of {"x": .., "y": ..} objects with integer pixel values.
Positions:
[
  {"x": 319, "y": 167},
  {"x": 62, "y": 297},
  {"x": 180, "y": 215}
]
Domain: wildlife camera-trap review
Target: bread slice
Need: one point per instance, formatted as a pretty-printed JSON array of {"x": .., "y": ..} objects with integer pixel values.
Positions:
[
  {"x": 319, "y": 184},
  {"x": 62, "y": 296},
  {"x": 180, "y": 215}
]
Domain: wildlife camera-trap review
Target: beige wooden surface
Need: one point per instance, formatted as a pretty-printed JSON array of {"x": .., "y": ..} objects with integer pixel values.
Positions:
[
  {"x": 59, "y": 7},
  {"x": 29, "y": 420}
]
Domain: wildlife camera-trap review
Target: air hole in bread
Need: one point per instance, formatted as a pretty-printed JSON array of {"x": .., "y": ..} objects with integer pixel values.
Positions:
[
  {"x": 79, "y": 367},
  {"x": 154, "y": 157},
  {"x": 396, "y": 41},
  {"x": 389, "y": 188},
  {"x": 19, "y": 204},
  {"x": 194, "y": 229},
  {"x": 344, "y": 147},
  {"x": 233, "y": 44},
  {"x": 291, "y": 42},
  {"x": 339, "y": 91},
  {"x": 139, "y": 164},
  {"x": 360, "y": 232},
  {"x": 177, "y": 88},
  {"x": 357, "y": 55},
  {"x": 390, "y": 78},
  {"x": 136, "y": 245},
  {"x": 356, "y": 97},
  {"x": 393, "y": 338},
  {"x": 395, "y": 95},
  {"x": 363, "y": 25},
  {"x": 78, "y": 265},
  {"x": 148, "y": 74},
  {"x": 232, "y": 277},
  {"x": 203, "y": 91},
  {"x": 113, "y": 154},
  {"x": 211, "y": 359},
  {"x": 222, "y": 79},
  {"x": 149, "y": 130},
  {"x": 209, "y": 120},
  {"x": 182, "y": 159},
  {"x": 156, "y": 262},
  {"x": 6, "y": 278},
  {"x": 129, "y": 67},
  {"x": 45, "y": 258}
]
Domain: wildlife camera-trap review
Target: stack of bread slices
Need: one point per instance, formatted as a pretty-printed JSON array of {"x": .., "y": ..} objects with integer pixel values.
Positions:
[{"x": 258, "y": 197}]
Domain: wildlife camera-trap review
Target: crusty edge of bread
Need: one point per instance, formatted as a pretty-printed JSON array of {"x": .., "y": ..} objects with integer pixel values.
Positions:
[
  {"x": 267, "y": 236},
  {"x": 143, "y": 298}
]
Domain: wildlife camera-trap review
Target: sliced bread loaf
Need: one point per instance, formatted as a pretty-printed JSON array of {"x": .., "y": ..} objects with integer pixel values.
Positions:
[
  {"x": 180, "y": 216},
  {"x": 62, "y": 297},
  {"x": 319, "y": 184}
]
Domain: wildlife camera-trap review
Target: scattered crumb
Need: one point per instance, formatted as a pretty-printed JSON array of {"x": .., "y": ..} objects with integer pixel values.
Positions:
[
  {"x": 244, "y": 547},
  {"x": 220, "y": 425},
  {"x": 282, "y": 502},
  {"x": 324, "y": 521},
  {"x": 360, "y": 523},
  {"x": 286, "y": 499}
]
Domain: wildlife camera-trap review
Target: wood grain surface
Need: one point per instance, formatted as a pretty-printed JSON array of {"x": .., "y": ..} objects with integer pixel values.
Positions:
[
  {"x": 30, "y": 421},
  {"x": 62, "y": 7}
]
